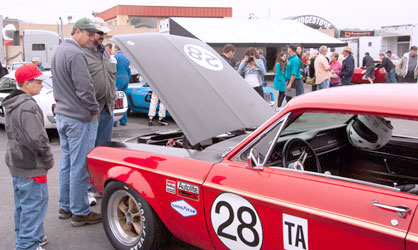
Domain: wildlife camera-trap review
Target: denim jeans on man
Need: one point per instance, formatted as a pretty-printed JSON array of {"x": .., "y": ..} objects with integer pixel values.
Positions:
[
  {"x": 346, "y": 81},
  {"x": 104, "y": 130},
  {"x": 31, "y": 202},
  {"x": 324, "y": 84},
  {"x": 77, "y": 138},
  {"x": 391, "y": 76}
]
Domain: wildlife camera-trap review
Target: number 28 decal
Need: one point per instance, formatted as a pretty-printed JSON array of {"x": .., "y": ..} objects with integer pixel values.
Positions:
[
  {"x": 236, "y": 222},
  {"x": 203, "y": 57}
]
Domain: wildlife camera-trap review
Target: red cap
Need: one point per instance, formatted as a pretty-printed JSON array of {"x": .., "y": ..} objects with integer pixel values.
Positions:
[{"x": 29, "y": 72}]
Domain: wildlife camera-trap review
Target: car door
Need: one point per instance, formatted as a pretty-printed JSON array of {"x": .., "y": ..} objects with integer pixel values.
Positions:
[{"x": 276, "y": 208}]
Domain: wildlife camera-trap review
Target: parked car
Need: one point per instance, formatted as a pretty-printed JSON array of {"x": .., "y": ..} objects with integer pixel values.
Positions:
[
  {"x": 239, "y": 176},
  {"x": 379, "y": 73},
  {"x": 47, "y": 102},
  {"x": 16, "y": 65},
  {"x": 45, "y": 99}
]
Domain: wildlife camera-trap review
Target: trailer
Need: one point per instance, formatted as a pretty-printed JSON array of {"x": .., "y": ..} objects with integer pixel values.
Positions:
[{"x": 41, "y": 44}]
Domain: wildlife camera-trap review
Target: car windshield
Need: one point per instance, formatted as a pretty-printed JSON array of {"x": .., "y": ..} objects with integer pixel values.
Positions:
[{"x": 312, "y": 121}]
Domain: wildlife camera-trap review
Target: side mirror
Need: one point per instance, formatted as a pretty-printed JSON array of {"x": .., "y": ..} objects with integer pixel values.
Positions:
[{"x": 253, "y": 160}]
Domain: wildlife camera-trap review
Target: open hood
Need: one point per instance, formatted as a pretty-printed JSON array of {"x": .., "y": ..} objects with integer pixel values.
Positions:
[{"x": 205, "y": 95}]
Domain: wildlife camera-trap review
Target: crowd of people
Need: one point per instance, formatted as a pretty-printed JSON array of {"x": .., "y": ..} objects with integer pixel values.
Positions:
[{"x": 295, "y": 68}]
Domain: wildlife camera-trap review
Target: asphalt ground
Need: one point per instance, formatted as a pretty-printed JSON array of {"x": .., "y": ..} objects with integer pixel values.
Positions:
[{"x": 61, "y": 235}]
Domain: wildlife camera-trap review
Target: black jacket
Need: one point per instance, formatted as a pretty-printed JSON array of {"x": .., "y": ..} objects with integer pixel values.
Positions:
[
  {"x": 347, "y": 69},
  {"x": 368, "y": 61}
]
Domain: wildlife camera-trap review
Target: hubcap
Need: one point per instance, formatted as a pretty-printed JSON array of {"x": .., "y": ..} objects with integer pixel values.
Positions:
[{"x": 125, "y": 219}]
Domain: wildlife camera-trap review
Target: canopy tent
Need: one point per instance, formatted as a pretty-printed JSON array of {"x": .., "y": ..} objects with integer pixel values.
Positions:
[{"x": 248, "y": 32}]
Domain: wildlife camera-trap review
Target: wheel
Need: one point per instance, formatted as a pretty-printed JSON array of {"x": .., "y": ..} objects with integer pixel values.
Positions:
[
  {"x": 128, "y": 220},
  {"x": 305, "y": 148}
]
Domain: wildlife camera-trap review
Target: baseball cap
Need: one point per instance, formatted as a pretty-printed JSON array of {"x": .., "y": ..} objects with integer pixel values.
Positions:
[
  {"x": 414, "y": 48},
  {"x": 36, "y": 59},
  {"x": 29, "y": 72},
  {"x": 101, "y": 25},
  {"x": 85, "y": 24}
]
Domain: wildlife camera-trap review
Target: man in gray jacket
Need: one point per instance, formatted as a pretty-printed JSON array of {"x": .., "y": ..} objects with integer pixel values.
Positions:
[
  {"x": 103, "y": 73},
  {"x": 76, "y": 114},
  {"x": 407, "y": 68},
  {"x": 28, "y": 157}
]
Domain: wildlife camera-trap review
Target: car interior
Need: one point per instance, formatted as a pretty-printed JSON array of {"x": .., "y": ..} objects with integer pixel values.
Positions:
[{"x": 318, "y": 143}]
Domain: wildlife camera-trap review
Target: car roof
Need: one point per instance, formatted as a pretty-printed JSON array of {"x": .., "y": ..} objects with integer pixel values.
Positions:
[{"x": 390, "y": 100}]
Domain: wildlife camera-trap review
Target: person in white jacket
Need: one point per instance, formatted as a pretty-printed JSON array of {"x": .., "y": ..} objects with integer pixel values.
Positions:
[{"x": 407, "y": 69}]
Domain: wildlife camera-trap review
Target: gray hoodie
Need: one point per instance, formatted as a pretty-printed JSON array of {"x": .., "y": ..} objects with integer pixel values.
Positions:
[
  {"x": 73, "y": 89},
  {"x": 28, "y": 152}
]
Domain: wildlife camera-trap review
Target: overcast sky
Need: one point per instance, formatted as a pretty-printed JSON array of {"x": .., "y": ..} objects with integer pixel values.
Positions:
[{"x": 365, "y": 14}]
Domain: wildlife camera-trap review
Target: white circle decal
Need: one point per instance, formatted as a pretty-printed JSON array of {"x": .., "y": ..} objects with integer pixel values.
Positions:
[
  {"x": 203, "y": 57},
  {"x": 236, "y": 222}
]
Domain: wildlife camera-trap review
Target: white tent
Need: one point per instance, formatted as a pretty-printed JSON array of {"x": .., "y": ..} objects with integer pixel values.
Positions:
[{"x": 248, "y": 32}]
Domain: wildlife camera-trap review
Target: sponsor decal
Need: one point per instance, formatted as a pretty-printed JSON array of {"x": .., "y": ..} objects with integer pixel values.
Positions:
[
  {"x": 203, "y": 57},
  {"x": 295, "y": 233},
  {"x": 170, "y": 186},
  {"x": 183, "y": 208},
  {"x": 188, "y": 190},
  {"x": 236, "y": 222}
]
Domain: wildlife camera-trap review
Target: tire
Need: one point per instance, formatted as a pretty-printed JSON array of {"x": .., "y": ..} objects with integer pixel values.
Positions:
[{"x": 128, "y": 219}]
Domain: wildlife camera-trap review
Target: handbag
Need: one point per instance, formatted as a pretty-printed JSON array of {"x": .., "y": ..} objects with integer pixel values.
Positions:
[{"x": 310, "y": 80}]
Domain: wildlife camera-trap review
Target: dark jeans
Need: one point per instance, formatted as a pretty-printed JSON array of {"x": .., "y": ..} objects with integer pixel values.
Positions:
[
  {"x": 280, "y": 98},
  {"x": 409, "y": 77},
  {"x": 296, "y": 85},
  {"x": 346, "y": 81},
  {"x": 391, "y": 76}
]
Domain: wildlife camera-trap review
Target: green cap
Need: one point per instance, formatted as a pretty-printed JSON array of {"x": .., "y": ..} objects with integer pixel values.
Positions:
[{"x": 85, "y": 24}]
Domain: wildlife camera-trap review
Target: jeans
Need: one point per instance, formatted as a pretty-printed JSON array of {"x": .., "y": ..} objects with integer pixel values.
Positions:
[
  {"x": 301, "y": 87},
  {"x": 31, "y": 202},
  {"x": 346, "y": 81},
  {"x": 334, "y": 85},
  {"x": 391, "y": 76},
  {"x": 324, "y": 84},
  {"x": 122, "y": 85},
  {"x": 77, "y": 138},
  {"x": 295, "y": 85},
  {"x": 104, "y": 130}
]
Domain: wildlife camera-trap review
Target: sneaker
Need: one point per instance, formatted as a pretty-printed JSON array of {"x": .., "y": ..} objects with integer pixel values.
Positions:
[
  {"x": 150, "y": 122},
  {"x": 64, "y": 214},
  {"x": 39, "y": 248},
  {"x": 95, "y": 194},
  {"x": 92, "y": 200},
  {"x": 162, "y": 122},
  {"x": 44, "y": 241},
  {"x": 92, "y": 218}
]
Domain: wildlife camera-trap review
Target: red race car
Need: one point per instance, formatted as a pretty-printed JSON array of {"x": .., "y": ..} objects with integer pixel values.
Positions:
[
  {"x": 323, "y": 173},
  {"x": 379, "y": 74}
]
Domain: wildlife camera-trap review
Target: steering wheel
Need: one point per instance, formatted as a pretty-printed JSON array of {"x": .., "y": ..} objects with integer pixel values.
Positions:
[{"x": 305, "y": 148}]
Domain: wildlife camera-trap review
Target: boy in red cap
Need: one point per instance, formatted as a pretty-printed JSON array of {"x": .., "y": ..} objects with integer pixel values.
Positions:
[{"x": 28, "y": 157}]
